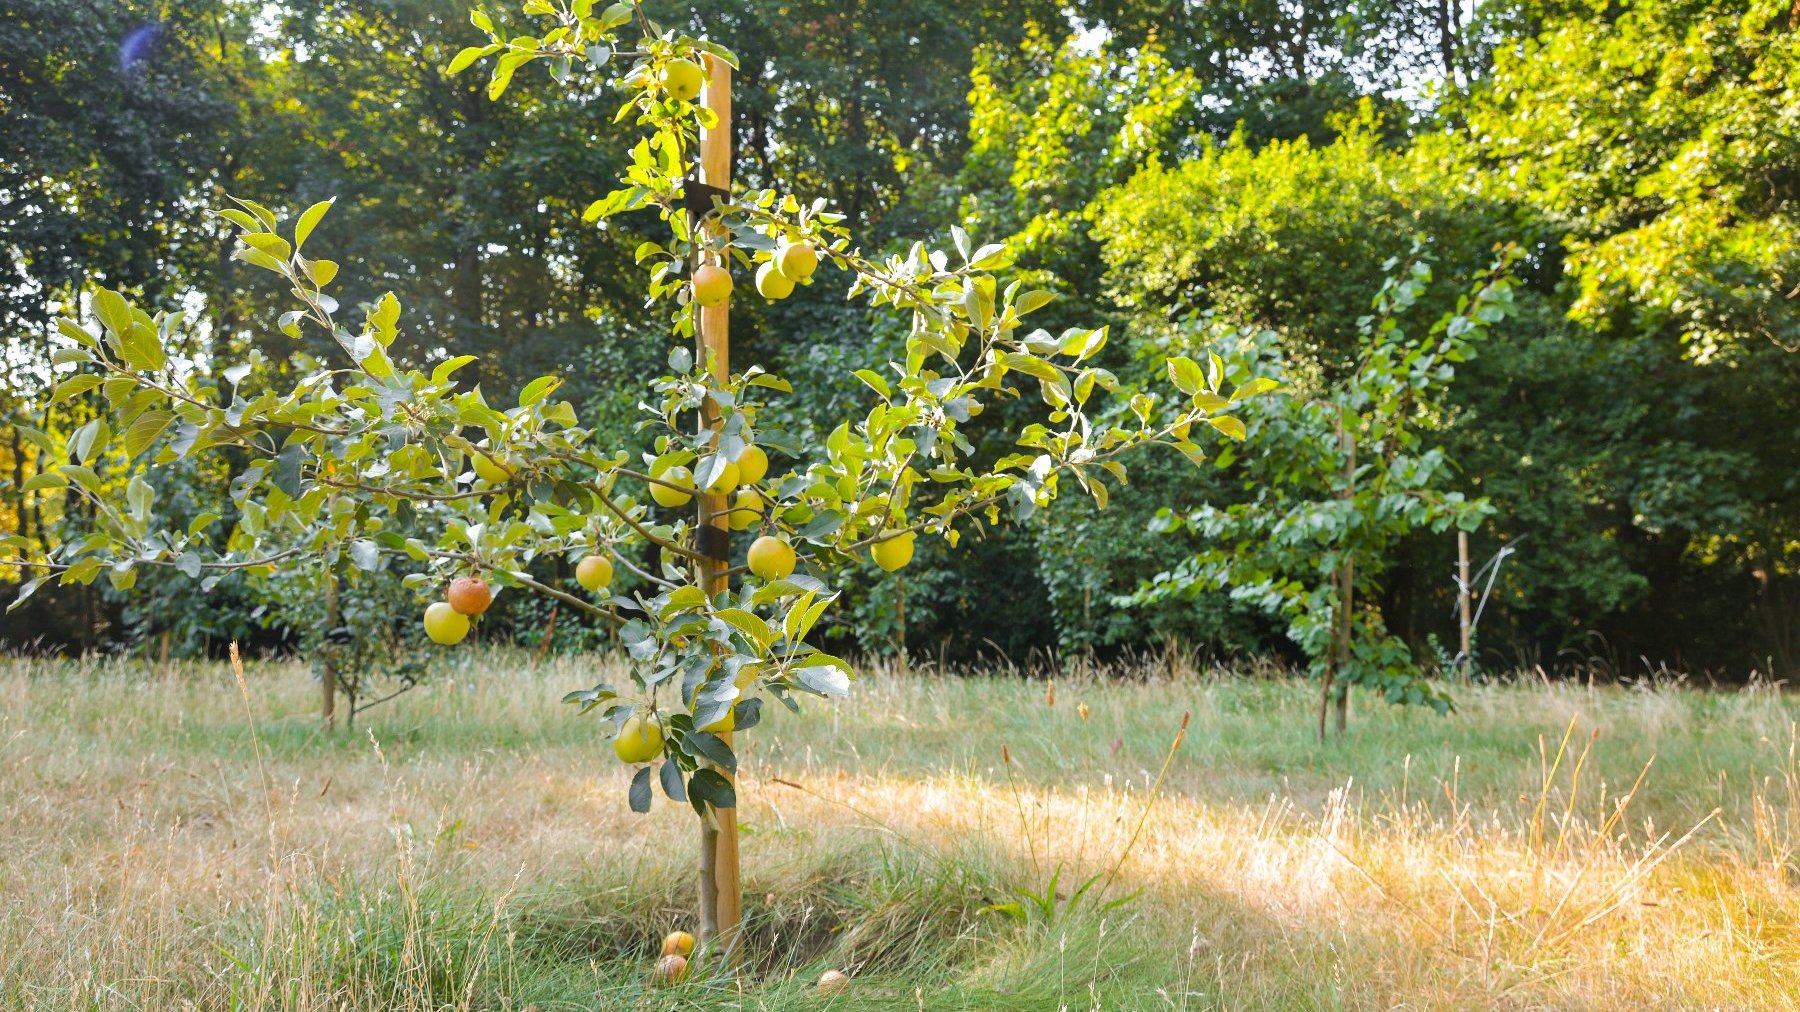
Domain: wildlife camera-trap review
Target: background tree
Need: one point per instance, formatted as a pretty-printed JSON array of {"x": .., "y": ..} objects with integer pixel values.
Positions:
[{"x": 1336, "y": 473}]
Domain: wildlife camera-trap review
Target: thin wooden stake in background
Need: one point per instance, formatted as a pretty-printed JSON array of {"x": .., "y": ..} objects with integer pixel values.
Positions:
[
  {"x": 1462, "y": 595},
  {"x": 721, "y": 898}
]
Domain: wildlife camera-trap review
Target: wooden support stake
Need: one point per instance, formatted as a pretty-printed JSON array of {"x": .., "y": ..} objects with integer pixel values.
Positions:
[
  {"x": 1462, "y": 595},
  {"x": 721, "y": 897}
]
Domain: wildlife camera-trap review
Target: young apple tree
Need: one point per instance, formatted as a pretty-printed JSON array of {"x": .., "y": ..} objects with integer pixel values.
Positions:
[
  {"x": 1337, "y": 478},
  {"x": 359, "y": 456}
]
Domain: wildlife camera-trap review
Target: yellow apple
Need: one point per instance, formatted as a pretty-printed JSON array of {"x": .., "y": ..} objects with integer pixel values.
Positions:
[
  {"x": 752, "y": 464},
  {"x": 771, "y": 558},
  {"x": 682, "y": 79},
  {"x": 639, "y": 741},
  {"x": 796, "y": 261},
  {"x": 673, "y": 497},
  {"x": 445, "y": 624},
  {"x": 594, "y": 572},
  {"x": 678, "y": 943},
  {"x": 772, "y": 284},
  {"x": 712, "y": 285},
  {"x": 671, "y": 969},
  {"x": 894, "y": 552},
  {"x": 488, "y": 468},
  {"x": 746, "y": 509}
]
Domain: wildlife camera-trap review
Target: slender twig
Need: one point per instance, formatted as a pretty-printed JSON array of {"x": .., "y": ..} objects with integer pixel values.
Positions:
[
  {"x": 632, "y": 522},
  {"x": 627, "y": 563},
  {"x": 57, "y": 567},
  {"x": 569, "y": 599},
  {"x": 400, "y": 493},
  {"x": 407, "y": 687}
]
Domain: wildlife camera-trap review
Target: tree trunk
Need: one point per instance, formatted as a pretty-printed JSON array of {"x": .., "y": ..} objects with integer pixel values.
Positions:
[
  {"x": 1446, "y": 40},
  {"x": 1325, "y": 683},
  {"x": 1338, "y": 649},
  {"x": 1346, "y": 634}
]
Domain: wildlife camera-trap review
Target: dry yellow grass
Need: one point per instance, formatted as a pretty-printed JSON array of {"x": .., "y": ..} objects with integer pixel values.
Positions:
[{"x": 168, "y": 842}]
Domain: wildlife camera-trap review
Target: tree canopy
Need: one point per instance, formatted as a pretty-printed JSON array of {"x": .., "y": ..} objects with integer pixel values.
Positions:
[{"x": 1629, "y": 423}]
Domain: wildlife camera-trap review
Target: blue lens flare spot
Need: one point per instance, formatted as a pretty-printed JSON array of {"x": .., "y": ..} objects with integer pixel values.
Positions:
[{"x": 139, "y": 46}]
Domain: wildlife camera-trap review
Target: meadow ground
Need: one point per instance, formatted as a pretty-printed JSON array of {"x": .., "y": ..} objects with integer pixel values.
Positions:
[{"x": 167, "y": 842}]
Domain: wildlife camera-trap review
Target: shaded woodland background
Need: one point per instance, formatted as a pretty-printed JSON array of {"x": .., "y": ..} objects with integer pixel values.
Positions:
[{"x": 1251, "y": 162}]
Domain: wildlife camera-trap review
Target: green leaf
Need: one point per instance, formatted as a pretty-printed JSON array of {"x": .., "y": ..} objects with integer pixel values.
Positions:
[
  {"x": 384, "y": 319},
  {"x": 287, "y": 469},
  {"x": 875, "y": 381},
  {"x": 537, "y": 390},
  {"x": 1258, "y": 386},
  {"x": 671, "y": 782},
  {"x": 113, "y": 311},
  {"x": 989, "y": 257},
  {"x": 1186, "y": 375},
  {"x": 1033, "y": 300},
  {"x": 142, "y": 348},
  {"x": 365, "y": 555},
  {"x": 83, "y": 474},
  {"x": 44, "y": 480},
  {"x": 73, "y": 387},
  {"x": 639, "y": 794},
  {"x": 714, "y": 749},
  {"x": 242, "y": 219},
  {"x": 1033, "y": 366},
  {"x": 264, "y": 242},
  {"x": 145, "y": 429},
  {"x": 751, "y": 625},
  {"x": 830, "y": 678},
  {"x": 139, "y": 496},
  {"x": 616, "y": 15},
  {"x": 445, "y": 368},
  {"x": 263, "y": 214},
  {"x": 710, "y": 787},
  {"x": 462, "y": 60},
  {"x": 309, "y": 219},
  {"x": 74, "y": 332},
  {"x": 322, "y": 271},
  {"x": 1230, "y": 425},
  {"x": 503, "y": 73},
  {"x": 257, "y": 258},
  {"x": 123, "y": 575}
]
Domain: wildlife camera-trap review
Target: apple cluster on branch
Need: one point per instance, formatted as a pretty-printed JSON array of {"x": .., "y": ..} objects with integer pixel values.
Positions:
[{"x": 357, "y": 455}]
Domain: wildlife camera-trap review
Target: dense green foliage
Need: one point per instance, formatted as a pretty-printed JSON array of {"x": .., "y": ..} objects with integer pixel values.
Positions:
[
  {"x": 1631, "y": 420},
  {"x": 362, "y": 467}
]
